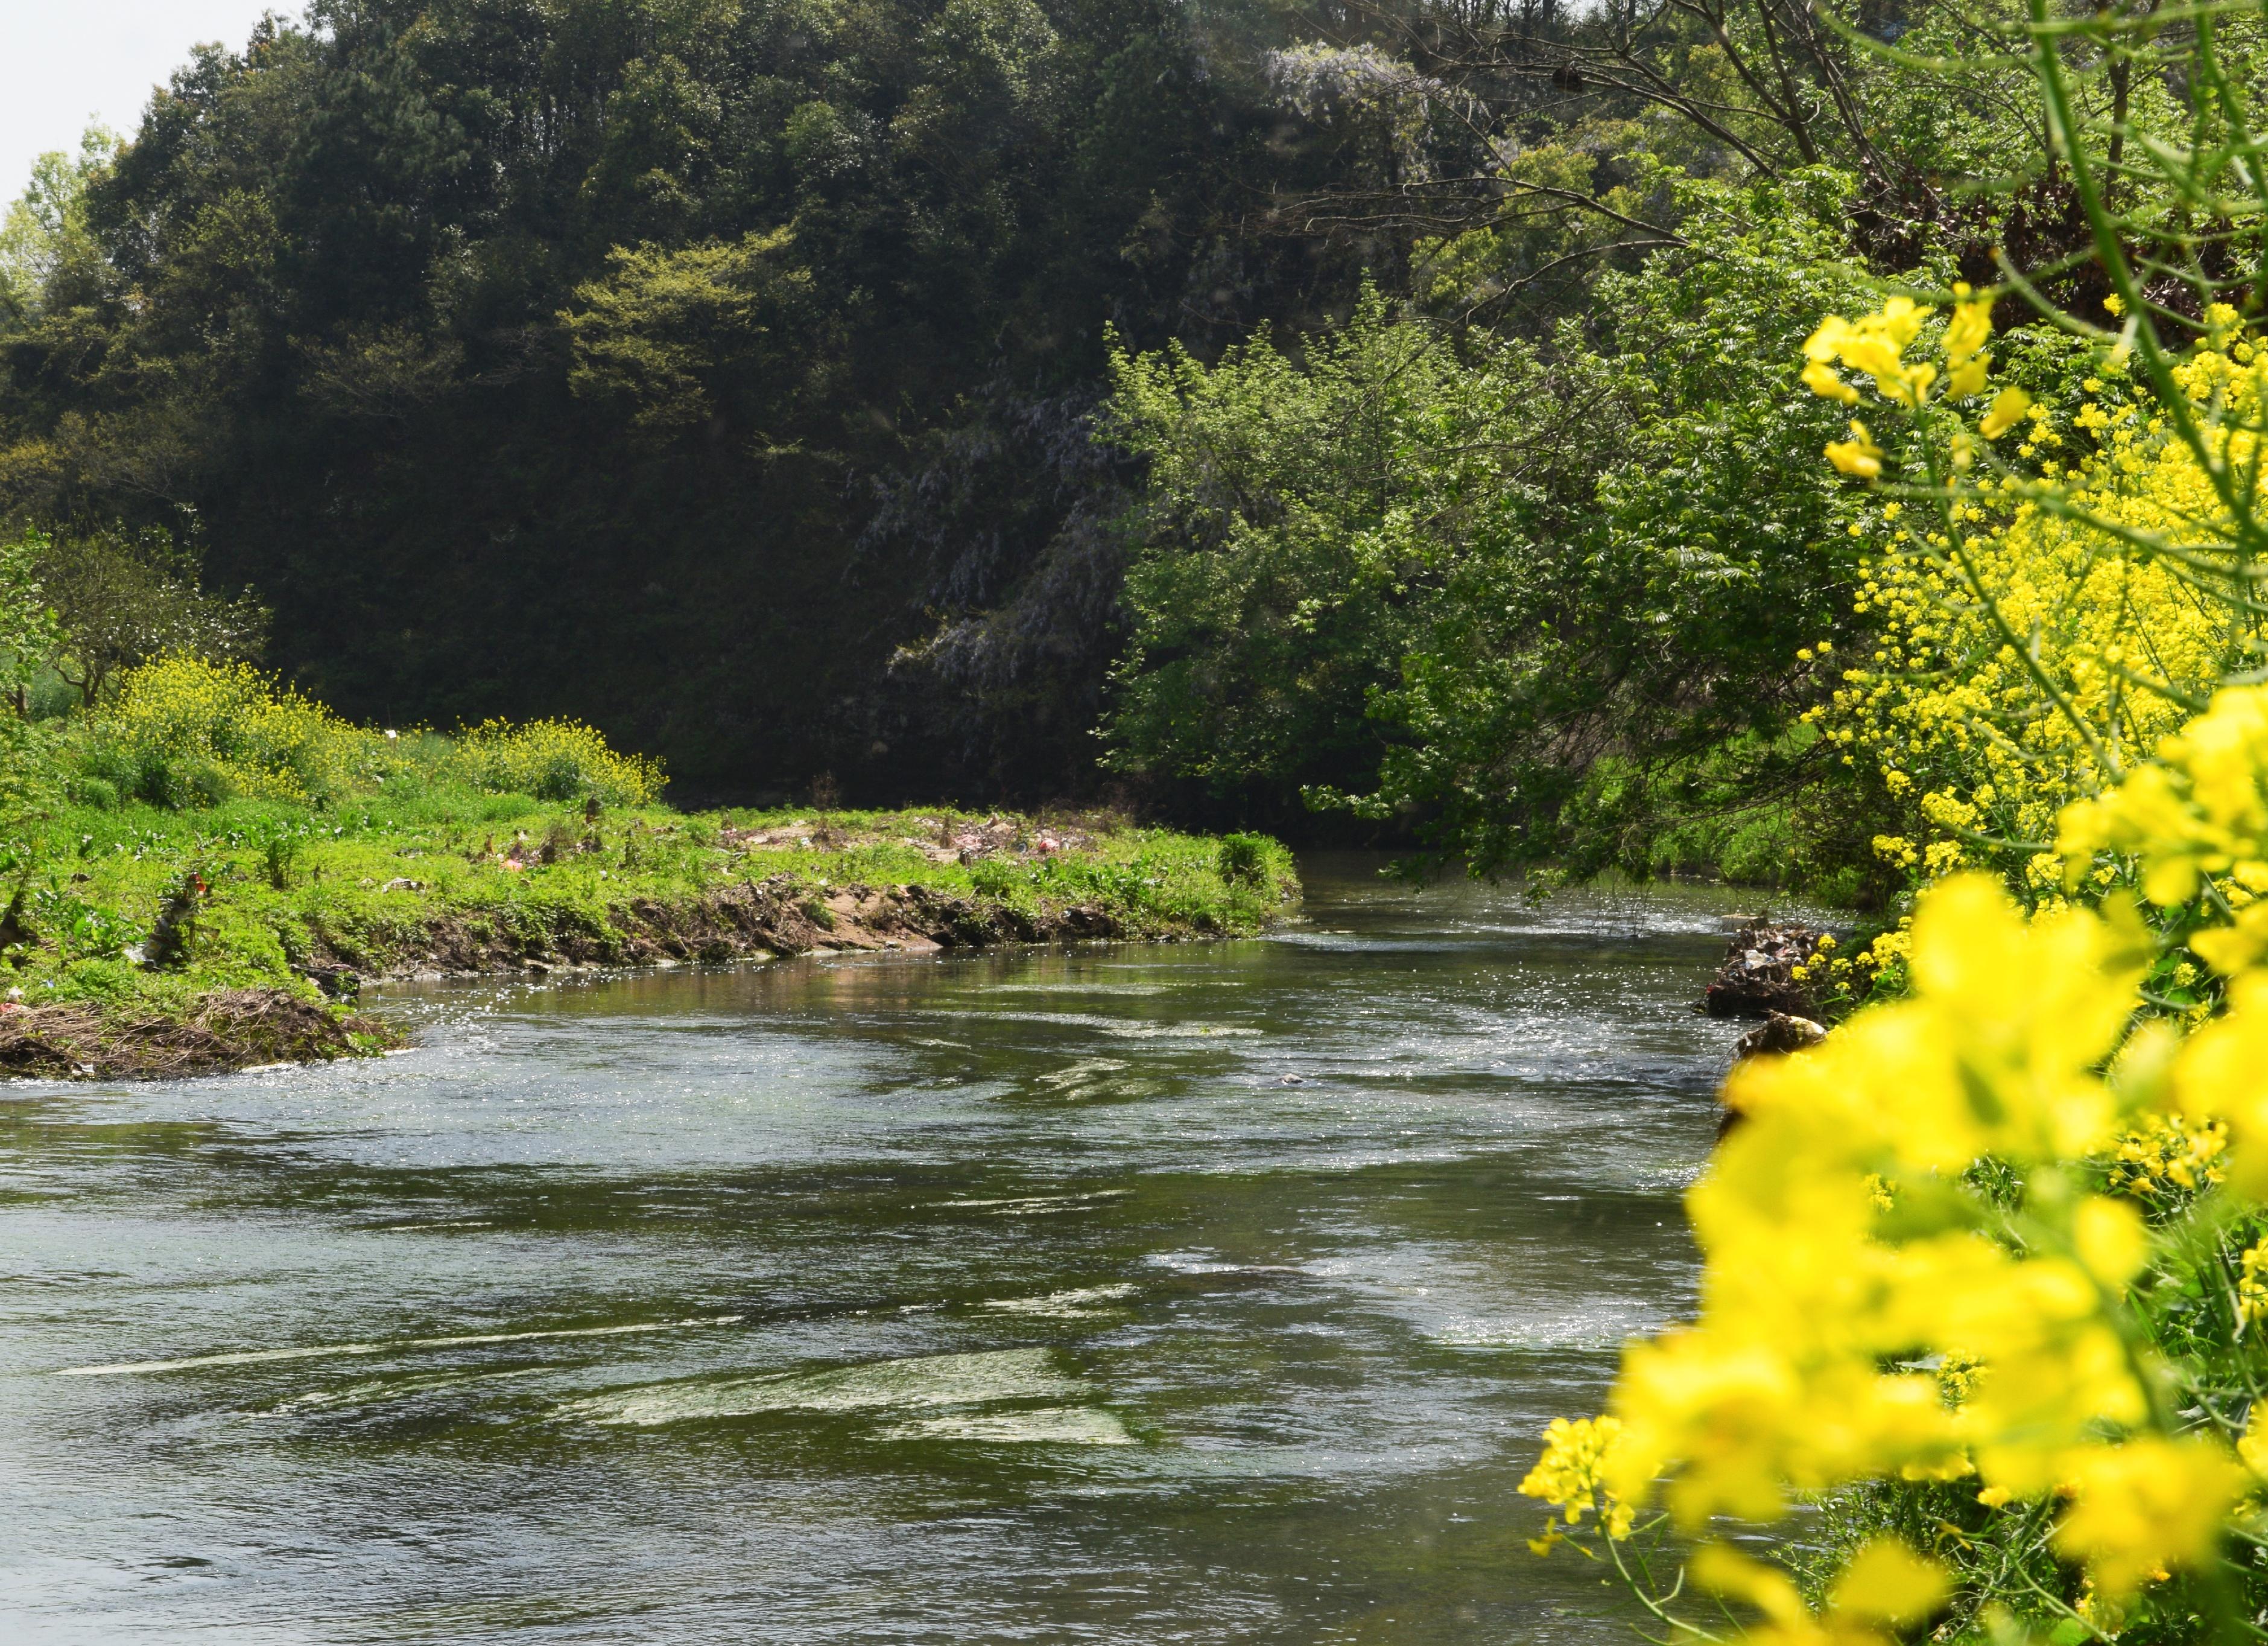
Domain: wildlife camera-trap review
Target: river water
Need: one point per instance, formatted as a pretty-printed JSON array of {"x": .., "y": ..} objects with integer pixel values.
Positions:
[{"x": 1208, "y": 1293}]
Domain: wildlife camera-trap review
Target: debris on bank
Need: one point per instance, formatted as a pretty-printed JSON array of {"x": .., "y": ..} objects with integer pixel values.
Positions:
[
  {"x": 227, "y": 1028},
  {"x": 963, "y": 840},
  {"x": 1757, "y": 977}
]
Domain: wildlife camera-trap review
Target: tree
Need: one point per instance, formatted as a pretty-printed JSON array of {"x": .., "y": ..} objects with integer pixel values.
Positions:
[
  {"x": 45, "y": 231},
  {"x": 29, "y": 630},
  {"x": 1545, "y": 602},
  {"x": 1304, "y": 522},
  {"x": 649, "y": 333},
  {"x": 121, "y": 597}
]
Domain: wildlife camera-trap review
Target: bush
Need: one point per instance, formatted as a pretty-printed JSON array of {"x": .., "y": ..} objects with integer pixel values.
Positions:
[
  {"x": 553, "y": 760},
  {"x": 184, "y": 733},
  {"x": 1244, "y": 860},
  {"x": 1988, "y": 1266},
  {"x": 1000, "y": 880}
]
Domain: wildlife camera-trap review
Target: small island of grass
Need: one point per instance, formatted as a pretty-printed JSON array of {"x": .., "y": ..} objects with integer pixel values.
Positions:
[{"x": 204, "y": 873}]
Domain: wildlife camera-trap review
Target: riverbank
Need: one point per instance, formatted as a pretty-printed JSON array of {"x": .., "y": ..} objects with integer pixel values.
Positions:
[{"x": 151, "y": 941}]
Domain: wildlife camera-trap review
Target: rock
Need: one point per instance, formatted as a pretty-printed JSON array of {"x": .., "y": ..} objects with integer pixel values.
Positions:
[
  {"x": 1778, "y": 1035},
  {"x": 1756, "y": 978},
  {"x": 340, "y": 982}
]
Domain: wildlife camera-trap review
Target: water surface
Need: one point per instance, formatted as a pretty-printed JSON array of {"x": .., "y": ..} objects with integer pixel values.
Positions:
[{"x": 1130, "y": 1293}]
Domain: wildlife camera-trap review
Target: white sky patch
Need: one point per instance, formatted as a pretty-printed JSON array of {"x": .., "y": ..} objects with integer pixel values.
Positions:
[{"x": 67, "y": 63}]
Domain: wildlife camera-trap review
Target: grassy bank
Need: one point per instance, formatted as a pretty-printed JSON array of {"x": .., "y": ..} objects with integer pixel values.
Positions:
[
  {"x": 180, "y": 895},
  {"x": 143, "y": 937}
]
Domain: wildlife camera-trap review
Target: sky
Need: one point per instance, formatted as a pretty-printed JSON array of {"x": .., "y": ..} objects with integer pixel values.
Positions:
[{"x": 63, "y": 63}]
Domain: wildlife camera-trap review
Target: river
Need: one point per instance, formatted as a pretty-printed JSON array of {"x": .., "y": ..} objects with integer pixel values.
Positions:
[{"x": 1204, "y": 1292}]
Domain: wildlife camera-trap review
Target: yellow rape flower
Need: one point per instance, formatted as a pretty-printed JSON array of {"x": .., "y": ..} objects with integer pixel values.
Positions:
[
  {"x": 1875, "y": 344},
  {"x": 2252, "y": 1283},
  {"x": 1858, "y": 456},
  {"x": 2143, "y": 1507},
  {"x": 1571, "y": 1476},
  {"x": 1782, "y": 1381},
  {"x": 1958, "y": 706},
  {"x": 2218, "y": 1077},
  {"x": 2167, "y": 1155},
  {"x": 2199, "y": 812},
  {"x": 1822, "y": 378},
  {"x": 1965, "y": 335},
  {"x": 2007, "y": 409},
  {"x": 1884, "y": 1584},
  {"x": 2252, "y": 1445}
]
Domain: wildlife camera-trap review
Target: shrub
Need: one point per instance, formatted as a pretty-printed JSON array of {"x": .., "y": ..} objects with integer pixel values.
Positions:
[
  {"x": 1244, "y": 860},
  {"x": 2041, "y": 633},
  {"x": 279, "y": 855},
  {"x": 553, "y": 760},
  {"x": 1000, "y": 879},
  {"x": 183, "y": 732},
  {"x": 1989, "y": 1265}
]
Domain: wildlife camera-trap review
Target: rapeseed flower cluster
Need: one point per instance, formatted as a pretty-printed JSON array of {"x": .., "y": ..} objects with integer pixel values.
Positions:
[
  {"x": 2044, "y": 628},
  {"x": 189, "y": 719},
  {"x": 2167, "y": 1159},
  {"x": 1998, "y": 1239},
  {"x": 1849, "y": 1258},
  {"x": 182, "y": 730},
  {"x": 2194, "y": 823},
  {"x": 1571, "y": 1477},
  {"x": 554, "y": 760},
  {"x": 2252, "y": 1284}
]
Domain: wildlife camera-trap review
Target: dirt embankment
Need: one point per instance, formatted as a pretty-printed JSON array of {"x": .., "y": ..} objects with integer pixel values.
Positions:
[{"x": 755, "y": 919}]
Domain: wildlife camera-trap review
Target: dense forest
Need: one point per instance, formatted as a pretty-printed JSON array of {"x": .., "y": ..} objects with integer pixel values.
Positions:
[
  {"x": 677, "y": 365},
  {"x": 1378, "y": 418}
]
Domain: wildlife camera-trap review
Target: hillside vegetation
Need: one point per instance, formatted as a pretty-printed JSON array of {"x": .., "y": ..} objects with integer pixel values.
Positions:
[{"x": 808, "y": 377}]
